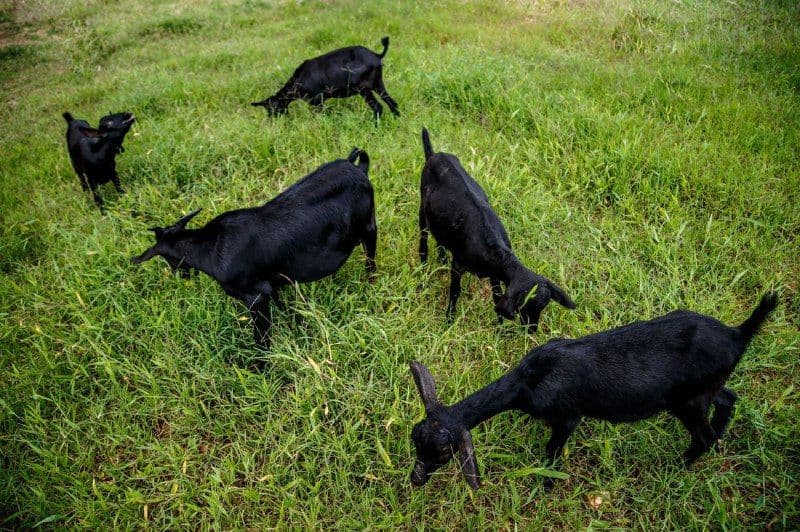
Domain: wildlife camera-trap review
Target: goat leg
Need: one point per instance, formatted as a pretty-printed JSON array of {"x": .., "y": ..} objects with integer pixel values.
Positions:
[
  {"x": 261, "y": 313},
  {"x": 723, "y": 409},
  {"x": 373, "y": 103},
  {"x": 562, "y": 430},
  {"x": 381, "y": 90},
  {"x": 117, "y": 184},
  {"x": 423, "y": 236},
  {"x": 97, "y": 199},
  {"x": 694, "y": 416},
  {"x": 84, "y": 181},
  {"x": 370, "y": 244},
  {"x": 441, "y": 253},
  {"x": 497, "y": 293},
  {"x": 455, "y": 289}
]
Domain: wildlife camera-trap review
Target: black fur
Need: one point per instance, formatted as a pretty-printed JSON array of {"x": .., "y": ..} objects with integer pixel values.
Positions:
[
  {"x": 345, "y": 72},
  {"x": 456, "y": 210},
  {"x": 676, "y": 363},
  {"x": 302, "y": 235},
  {"x": 93, "y": 151}
]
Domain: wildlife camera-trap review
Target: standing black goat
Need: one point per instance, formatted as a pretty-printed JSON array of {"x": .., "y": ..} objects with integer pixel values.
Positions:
[
  {"x": 338, "y": 74},
  {"x": 93, "y": 151},
  {"x": 456, "y": 210},
  {"x": 302, "y": 235},
  {"x": 677, "y": 363}
]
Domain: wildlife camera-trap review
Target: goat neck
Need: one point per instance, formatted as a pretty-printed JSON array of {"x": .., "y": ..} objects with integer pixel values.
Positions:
[
  {"x": 514, "y": 272},
  {"x": 193, "y": 249},
  {"x": 494, "y": 398}
]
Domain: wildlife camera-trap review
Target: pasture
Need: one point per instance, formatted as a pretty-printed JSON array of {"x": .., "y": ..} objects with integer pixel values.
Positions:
[{"x": 643, "y": 154}]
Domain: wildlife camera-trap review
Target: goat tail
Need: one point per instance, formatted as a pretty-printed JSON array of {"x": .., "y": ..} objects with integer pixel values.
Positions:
[
  {"x": 362, "y": 157},
  {"x": 385, "y": 43},
  {"x": 67, "y": 117},
  {"x": 426, "y": 144},
  {"x": 363, "y": 162},
  {"x": 261, "y": 103},
  {"x": 751, "y": 325},
  {"x": 560, "y": 296}
]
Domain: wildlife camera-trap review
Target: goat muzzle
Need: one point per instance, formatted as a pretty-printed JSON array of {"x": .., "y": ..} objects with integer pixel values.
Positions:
[{"x": 418, "y": 475}]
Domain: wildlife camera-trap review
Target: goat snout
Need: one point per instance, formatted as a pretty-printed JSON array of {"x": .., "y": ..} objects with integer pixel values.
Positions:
[{"x": 419, "y": 476}]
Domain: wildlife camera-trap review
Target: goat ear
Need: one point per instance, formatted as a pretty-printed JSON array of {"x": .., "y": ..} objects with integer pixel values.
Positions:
[
  {"x": 147, "y": 255},
  {"x": 159, "y": 231},
  {"x": 469, "y": 464},
  {"x": 90, "y": 132},
  {"x": 559, "y": 296},
  {"x": 425, "y": 385},
  {"x": 185, "y": 220}
]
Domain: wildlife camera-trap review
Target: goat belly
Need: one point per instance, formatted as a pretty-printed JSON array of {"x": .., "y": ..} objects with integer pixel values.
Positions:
[
  {"x": 343, "y": 82},
  {"x": 625, "y": 415},
  {"x": 315, "y": 263}
]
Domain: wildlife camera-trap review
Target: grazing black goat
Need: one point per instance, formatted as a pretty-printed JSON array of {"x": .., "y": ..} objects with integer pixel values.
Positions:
[
  {"x": 454, "y": 207},
  {"x": 338, "y": 74},
  {"x": 93, "y": 151},
  {"x": 302, "y": 235},
  {"x": 678, "y": 363}
]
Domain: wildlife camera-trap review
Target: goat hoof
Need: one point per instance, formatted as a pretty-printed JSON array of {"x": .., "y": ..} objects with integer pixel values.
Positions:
[{"x": 691, "y": 456}]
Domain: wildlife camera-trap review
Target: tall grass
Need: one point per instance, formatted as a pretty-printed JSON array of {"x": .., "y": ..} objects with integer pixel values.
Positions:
[{"x": 643, "y": 155}]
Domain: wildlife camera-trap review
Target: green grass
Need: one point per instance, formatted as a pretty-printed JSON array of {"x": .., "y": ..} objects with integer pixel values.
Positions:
[{"x": 643, "y": 154}]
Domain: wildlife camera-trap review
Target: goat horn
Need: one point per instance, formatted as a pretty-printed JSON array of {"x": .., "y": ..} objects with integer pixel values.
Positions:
[
  {"x": 185, "y": 220},
  {"x": 425, "y": 385}
]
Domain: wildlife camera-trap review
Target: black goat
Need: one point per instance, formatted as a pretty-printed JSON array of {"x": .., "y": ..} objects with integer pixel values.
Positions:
[
  {"x": 454, "y": 207},
  {"x": 302, "y": 235},
  {"x": 338, "y": 74},
  {"x": 678, "y": 363},
  {"x": 93, "y": 151}
]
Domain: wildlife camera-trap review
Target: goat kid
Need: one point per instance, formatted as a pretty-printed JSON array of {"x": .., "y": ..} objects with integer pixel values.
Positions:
[
  {"x": 676, "y": 363},
  {"x": 304, "y": 234},
  {"x": 454, "y": 207},
  {"x": 93, "y": 151},
  {"x": 345, "y": 72}
]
